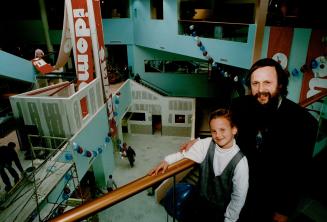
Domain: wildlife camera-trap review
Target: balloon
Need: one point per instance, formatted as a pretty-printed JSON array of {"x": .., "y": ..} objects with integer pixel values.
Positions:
[
  {"x": 295, "y": 72},
  {"x": 314, "y": 64},
  {"x": 68, "y": 156},
  {"x": 88, "y": 153},
  {"x": 210, "y": 59},
  {"x": 80, "y": 150},
  {"x": 68, "y": 176},
  {"x": 107, "y": 139}
]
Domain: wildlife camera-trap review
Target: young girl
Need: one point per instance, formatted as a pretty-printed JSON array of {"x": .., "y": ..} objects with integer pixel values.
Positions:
[{"x": 224, "y": 173}]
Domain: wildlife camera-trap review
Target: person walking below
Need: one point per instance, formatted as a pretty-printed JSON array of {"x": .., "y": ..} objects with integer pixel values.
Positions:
[
  {"x": 111, "y": 184},
  {"x": 130, "y": 153},
  {"x": 7, "y": 155}
]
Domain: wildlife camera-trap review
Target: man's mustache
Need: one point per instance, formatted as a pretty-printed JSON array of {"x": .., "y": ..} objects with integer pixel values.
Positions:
[{"x": 257, "y": 95}]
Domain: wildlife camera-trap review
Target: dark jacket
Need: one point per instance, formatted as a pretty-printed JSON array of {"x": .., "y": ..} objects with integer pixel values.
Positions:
[{"x": 279, "y": 166}]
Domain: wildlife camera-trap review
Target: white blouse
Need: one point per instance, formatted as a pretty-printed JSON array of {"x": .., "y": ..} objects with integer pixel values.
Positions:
[{"x": 222, "y": 157}]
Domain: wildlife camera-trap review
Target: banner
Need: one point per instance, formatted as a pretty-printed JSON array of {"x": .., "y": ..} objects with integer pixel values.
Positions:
[
  {"x": 79, "y": 26},
  {"x": 101, "y": 52},
  {"x": 66, "y": 43},
  {"x": 280, "y": 42}
]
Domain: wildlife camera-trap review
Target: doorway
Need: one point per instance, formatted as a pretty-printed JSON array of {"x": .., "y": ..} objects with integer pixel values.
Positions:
[{"x": 156, "y": 124}]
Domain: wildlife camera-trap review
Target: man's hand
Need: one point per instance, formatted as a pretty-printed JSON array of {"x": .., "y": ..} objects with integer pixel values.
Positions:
[
  {"x": 186, "y": 146},
  {"x": 163, "y": 166}
]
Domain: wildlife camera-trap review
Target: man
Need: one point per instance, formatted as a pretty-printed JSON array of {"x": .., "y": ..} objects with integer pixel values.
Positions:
[
  {"x": 111, "y": 184},
  {"x": 7, "y": 155},
  {"x": 130, "y": 153},
  {"x": 277, "y": 136}
]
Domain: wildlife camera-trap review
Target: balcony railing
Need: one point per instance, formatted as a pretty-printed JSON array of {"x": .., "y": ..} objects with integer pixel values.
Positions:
[{"x": 237, "y": 32}]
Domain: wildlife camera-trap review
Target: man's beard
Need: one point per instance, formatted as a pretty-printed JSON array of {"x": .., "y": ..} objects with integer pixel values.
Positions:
[
  {"x": 265, "y": 112},
  {"x": 272, "y": 103}
]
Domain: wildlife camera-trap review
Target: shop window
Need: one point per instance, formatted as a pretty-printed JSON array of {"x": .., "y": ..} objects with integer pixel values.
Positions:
[
  {"x": 115, "y": 9},
  {"x": 138, "y": 116},
  {"x": 179, "y": 118},
  {"x": 176, "y": 66},
  {"x": 156, "y": 9}
]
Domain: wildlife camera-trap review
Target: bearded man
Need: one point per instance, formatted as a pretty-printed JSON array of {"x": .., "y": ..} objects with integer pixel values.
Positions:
[{"x": 277, "y": 136}]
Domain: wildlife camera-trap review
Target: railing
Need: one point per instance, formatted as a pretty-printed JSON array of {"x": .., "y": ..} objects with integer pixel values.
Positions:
[
  {"x": 217, "y": 30},
  {"x": 155, "y": 88},
  {"x": 27, "y": 198},
  {"x": 122, "y": 193},
  {"x": 64, "y": 76}
]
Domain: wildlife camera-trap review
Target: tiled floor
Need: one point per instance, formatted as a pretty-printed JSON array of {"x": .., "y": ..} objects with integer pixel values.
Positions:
[{"x": 150, "y": 150}]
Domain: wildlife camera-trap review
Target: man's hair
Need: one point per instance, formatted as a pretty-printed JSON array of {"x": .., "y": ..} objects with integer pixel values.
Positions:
[
  {"x": 110, "y": 176},
  {"x": 11, "y": 145},
  {"x": 222, "y": 112},
  {"x": 282, "y": 75}
]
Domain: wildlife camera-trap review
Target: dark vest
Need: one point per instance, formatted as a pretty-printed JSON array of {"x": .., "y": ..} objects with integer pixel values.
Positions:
[{"x": 217, "y": 189}]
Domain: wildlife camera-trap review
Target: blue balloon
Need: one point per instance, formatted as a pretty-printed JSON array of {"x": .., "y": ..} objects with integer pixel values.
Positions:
[
  {"x": 295, "y": 72},
  {"x": 314, "y": 64},
  {"x": 68, "y": 176},
  {"x": 68, "y": 156},
  {"x": 183, "y": 195}
]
